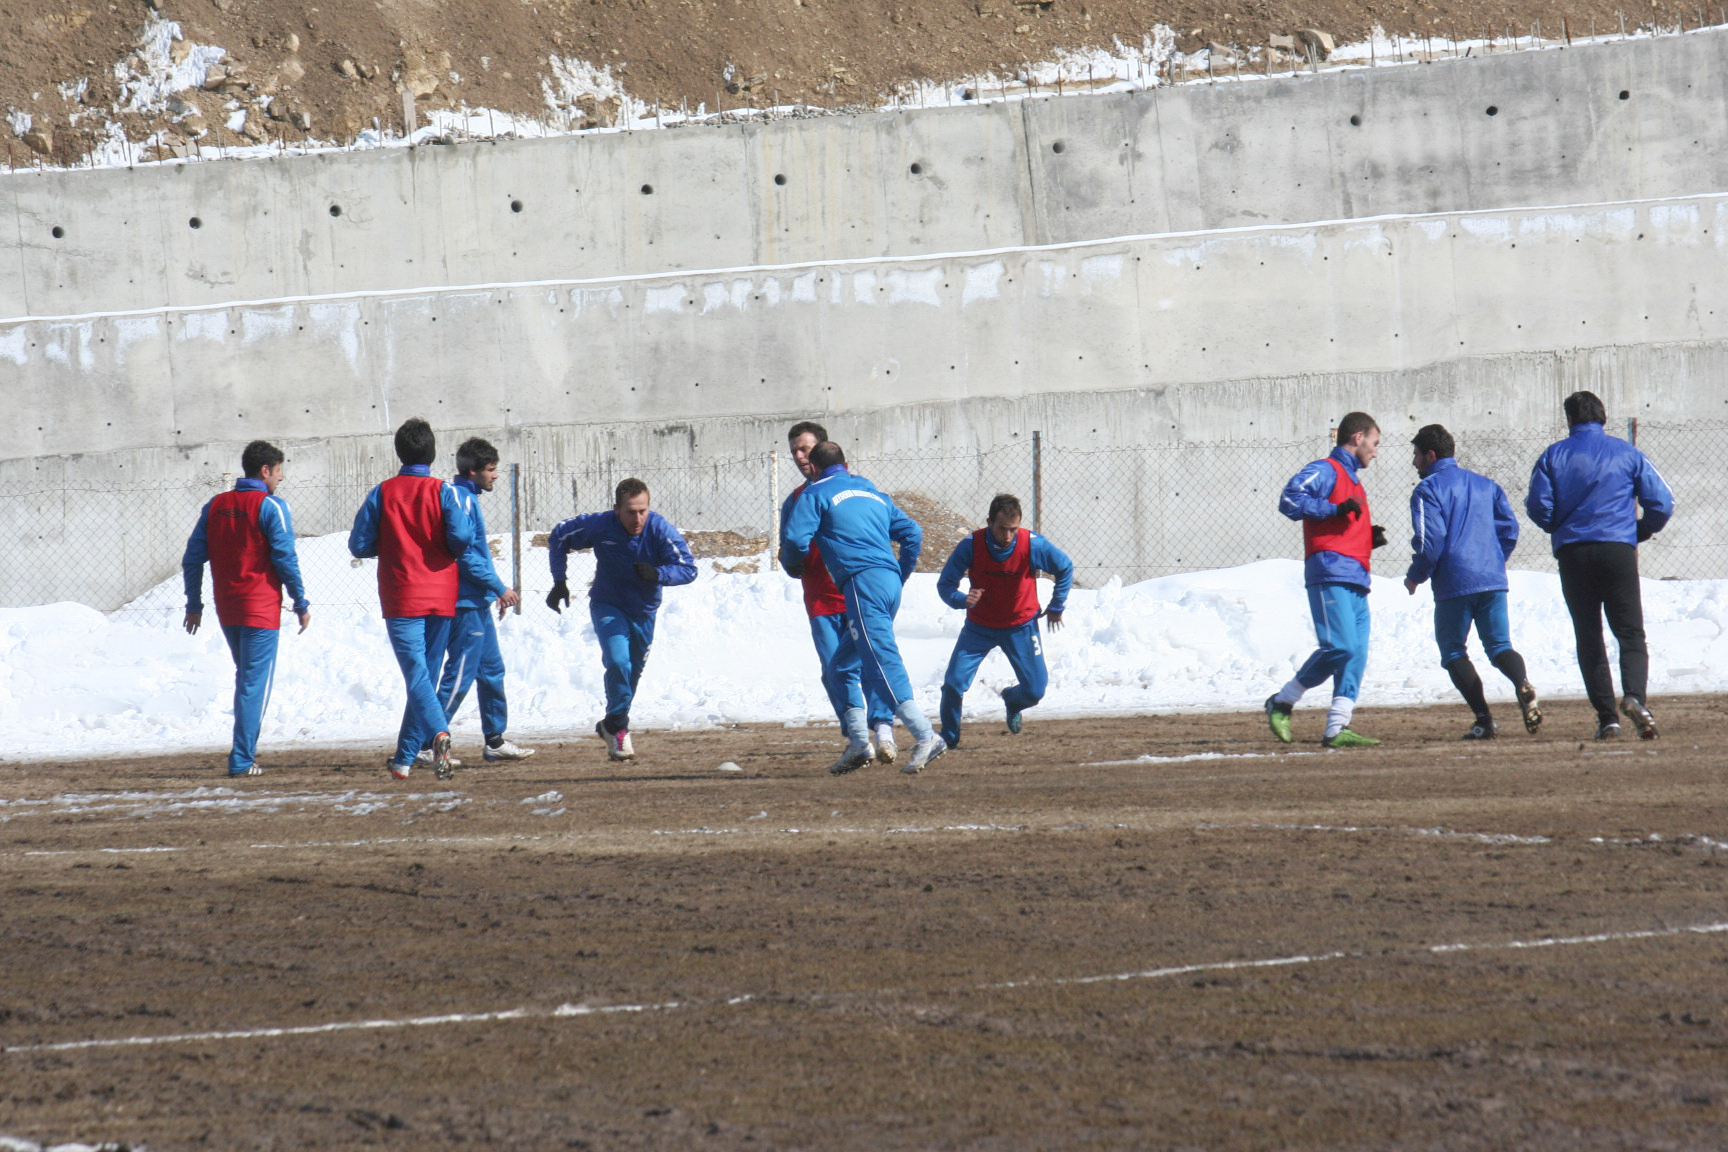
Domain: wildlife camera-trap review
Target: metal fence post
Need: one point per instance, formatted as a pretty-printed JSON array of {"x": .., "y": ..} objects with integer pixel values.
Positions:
[
  {"x": 516, "y": 532},
  {"x": 773, "y": 511},
  {"x": 1038, "y": 482},
  {"x": 1632, "y": 430}
]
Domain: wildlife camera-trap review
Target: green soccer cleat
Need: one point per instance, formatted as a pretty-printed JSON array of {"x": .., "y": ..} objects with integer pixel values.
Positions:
[
  {"x": 1013, "y": 719},
  {"x": 1278, "y": 718},
  {"x": 1349, "y": 739}
]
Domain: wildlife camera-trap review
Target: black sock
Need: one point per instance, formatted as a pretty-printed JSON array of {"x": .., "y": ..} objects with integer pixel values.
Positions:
[
  {"x": 1512, "y": 664},
  {"x": 1464, "y": 679},
  {"x": 494, "y": 741}
]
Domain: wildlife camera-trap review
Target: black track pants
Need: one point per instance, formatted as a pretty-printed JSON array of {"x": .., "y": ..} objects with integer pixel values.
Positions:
[{"x": 1598, "y": 578}]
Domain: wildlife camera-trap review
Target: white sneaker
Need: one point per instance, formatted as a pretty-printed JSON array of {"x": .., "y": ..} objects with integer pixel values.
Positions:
[
  {"x": 425, "y": 759},
  {"x": 854, "y": 758},
  {"x": 506, "y": 751},
  {"x": 441, "y": 765},
  {"x": 886, "y": 751},
  {"x": 923, "y": 752},
  {"x": 618, "y": 746}
]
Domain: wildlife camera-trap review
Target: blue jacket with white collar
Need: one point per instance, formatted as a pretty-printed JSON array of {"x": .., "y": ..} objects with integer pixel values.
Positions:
[
  {"x": 616, "y": 554},
  {"x": 1462, "y": 532},
  {"x": 855, "y": 524},
  {"x": 1588, "y": 488}
]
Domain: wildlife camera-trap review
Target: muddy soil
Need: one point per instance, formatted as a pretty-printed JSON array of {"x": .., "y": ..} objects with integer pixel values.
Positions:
[{"x": 1042, "y": 942}]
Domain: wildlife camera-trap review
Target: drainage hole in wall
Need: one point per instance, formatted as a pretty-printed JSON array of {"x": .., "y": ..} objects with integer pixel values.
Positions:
[
  {"x": 780, "y": 178},
  {"x": 515, "y": 205},
  {"x": 1493, "y": 110},
  {"x": 1057, "y": 147},
  {"x": 1355, "y": 121},
  {"x": 647, "y": 189},
  {"x": 195, "y": 222},
  {"x": 57, "y": 232},
  {"x": 335, "y": 209},
  {"x": 917, "y": 169},
  {"x": 1625, "y": 95}
]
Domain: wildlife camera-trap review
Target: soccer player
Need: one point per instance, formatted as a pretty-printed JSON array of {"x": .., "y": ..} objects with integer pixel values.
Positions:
[
  {"x": 416, "y": 527},
  {"x": 842, "y": 676},
  {"x": 1338, "y": 538},
  {"x": 473, "y": 658},
  {"x": 1001, "y": 610},
  {"x": 637, "y": 552},
  {"x": 1585, "y": 492},
  {"x": 856, "y": 527},
  {"x": 247, "y": 537},
  {"x": 1463, "y": 532}
]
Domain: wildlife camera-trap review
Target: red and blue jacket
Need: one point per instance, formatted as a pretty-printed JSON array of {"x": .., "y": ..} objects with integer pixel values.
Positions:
[
  {"x": 1308, "y": 497},
  {"x": 1022, "y": 605},
  {"x": 246, "y": 536},
  {"x": 616, "y": 554},
  {"x": 822, "y": 597},
  {"x": 416, "y": 527},
  {"x": 1588, "y": 488},
  {"x": 1462, "y": 532}
]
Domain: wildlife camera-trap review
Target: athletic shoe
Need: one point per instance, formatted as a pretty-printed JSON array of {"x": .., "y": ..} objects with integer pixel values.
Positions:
[
  {"x": 886, "y": 750},
  {"x": 1527, "y": 708},
  {"x": 253, "y": 770},
  {"x": 1013, "y": 718},
  {"x": 504, "y": 751},
  {"x": 923, "y": 752},
  {"x": 1481, "y": 730},
  {"x": 441, "y": 765},
  {"x": 618, "y": 746},
  {"x": 1278, "y": 716},
  {"x": 854, "y": 758},
  {"x": 1634, "y": 710},
  {"x": 1608, "y": 731},
  {"x": 400, "y": 771},
  {"x": 424, "y": 760},
  {"x": 1348, "y": 739}
]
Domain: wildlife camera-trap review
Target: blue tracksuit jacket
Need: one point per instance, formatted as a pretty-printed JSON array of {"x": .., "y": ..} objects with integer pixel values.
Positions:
[
  {"x": 1305, "y": 497},
  {"x": 1462, "y": 532},
  {"x": 278, "y": 529},
  {"x": 1588, "y": 487},
  {"x": 615, "y": 555},
  {"x": 852, "y": 521},
  {"x": 1046, "y": 557},
  {"x": 479, "y": 583}
]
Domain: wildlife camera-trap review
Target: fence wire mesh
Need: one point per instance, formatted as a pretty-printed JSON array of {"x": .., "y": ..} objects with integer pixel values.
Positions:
[{"x": 1130, "y": 512}]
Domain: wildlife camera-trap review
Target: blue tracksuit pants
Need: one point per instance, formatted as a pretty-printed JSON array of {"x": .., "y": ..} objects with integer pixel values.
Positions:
[
  {"x": 624, "y": 643},
  {"x": 254, "y": 651},
  {"x": 872, "y": 601},
  {"x": 1453, "y": 617},
  {"x": 1025, "y": 651},
  {"x": 473, "y": 660},
  {"x": 1341, "y": 624},
  {"x": 419, "y": 643},
  {"x": 842, "y": 676}
]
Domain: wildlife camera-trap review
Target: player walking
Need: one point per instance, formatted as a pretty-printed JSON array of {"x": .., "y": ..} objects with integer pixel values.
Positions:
[
  {"x": 247, "y": 537},
  {"x": 1001, "y": 610},
  {"x": 1585, "y": 492},
  {"x": 842, "y": 675},
  {"x": 1338, "y": 538},
  {"x": 856, "y": 527},
  {"x": 1463, "y": 532},
  {"x": 416, "y": 527},
  {"x": 637, "y": 552},
  {"x": 473, "y": 658}
]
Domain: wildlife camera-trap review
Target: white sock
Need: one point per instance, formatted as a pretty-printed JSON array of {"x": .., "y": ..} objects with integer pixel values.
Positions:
[
  {"x": 1338, "y": 718},
  {"x": 884, "y": 734},
  {"x": 1289, "y": 694}
]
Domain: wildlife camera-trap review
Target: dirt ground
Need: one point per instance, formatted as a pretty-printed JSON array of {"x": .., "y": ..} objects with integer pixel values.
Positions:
[
  {"x": 344, "y": 63},
  {"x": 1042, "y": 942}
]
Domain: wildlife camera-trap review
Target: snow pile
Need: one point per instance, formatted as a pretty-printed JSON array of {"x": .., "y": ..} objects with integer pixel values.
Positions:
[{"x": 735, "y": 647}]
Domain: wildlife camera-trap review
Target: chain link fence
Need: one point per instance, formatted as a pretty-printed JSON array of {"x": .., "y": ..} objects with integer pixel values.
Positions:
[{"x": 1130, "y": 512}]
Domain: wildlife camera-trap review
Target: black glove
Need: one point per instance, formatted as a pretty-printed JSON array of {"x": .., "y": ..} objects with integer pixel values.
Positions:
[
  {"x": 647, "y": 573},
  {"x": 1349, "y": 507},
  {"x": 1379, "y": 536},
  {"x": 1644, "y": 532},
  {"x": 560, "y": 594}
]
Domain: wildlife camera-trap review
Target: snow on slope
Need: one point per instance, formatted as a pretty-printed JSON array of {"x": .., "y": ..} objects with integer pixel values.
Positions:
[{"x": 735, "y": 648}]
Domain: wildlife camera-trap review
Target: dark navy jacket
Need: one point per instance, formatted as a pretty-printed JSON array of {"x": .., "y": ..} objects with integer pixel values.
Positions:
[
  {"x": 480, "y": 583},
  {"x": 1462, "y": 532},
  {"x": 853, "y": 522},
  {"x": 1306, "y": 498},
  {"x": 1588, "y": 488},
  {"x": 616, "y": 553}
]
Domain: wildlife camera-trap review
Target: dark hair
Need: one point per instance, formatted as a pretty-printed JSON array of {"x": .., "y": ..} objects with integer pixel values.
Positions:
[
  {"x": 1004, "y": 503},
  {"x": 259, "y": 455},
  {"x": 1434, "y": 438},
  {"x": 627, "y": 489},
  {"x": 415, "y": 443},
  {"x": 1585, "y": 408},
  {"x": 806, "y": 426},
  {"x": 1353, "y": 423},
  {"x": 474, "y": 455},
  {"x": 825, "y": 455}
]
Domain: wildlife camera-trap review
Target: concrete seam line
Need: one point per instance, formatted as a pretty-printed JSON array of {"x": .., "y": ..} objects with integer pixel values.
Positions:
[
  {"x": 875, "y": 261},
  {"x": 566, "y": 1011}
]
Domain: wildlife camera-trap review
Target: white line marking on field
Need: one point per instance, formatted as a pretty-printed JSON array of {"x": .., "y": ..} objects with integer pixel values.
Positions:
[
  {"x": 1150, "y": 759},
  {"x": 566, "y": 1011}
]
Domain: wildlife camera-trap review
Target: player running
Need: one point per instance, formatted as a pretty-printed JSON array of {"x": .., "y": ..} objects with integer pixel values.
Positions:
[
  {"x": 1338, "y": 538},
  {"x": 637, "y": 552},
  {"x": 856, "y": 527},
  {"x": 247, "y": 537},
  {"x": 1001, "y": 610},
  {"x": 1463, "y": 532},
  {"x": 842, "y": 676}
]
